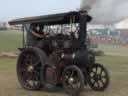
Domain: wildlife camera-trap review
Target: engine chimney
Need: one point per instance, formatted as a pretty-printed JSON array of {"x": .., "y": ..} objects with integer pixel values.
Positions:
[{"x": 83, "y": 19}]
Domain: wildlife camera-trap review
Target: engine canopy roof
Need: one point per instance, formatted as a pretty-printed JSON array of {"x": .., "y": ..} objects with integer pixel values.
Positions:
[{"x": 53, "y": 19}]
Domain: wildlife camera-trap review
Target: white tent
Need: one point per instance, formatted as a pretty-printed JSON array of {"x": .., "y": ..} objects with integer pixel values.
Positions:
[{"x": 122, "y": 25}]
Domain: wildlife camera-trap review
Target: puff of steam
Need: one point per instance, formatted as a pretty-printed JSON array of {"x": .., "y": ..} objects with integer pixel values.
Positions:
[
  {"x": 106, "y": 11},
  {"x": 109, "y": 11},
  {"x": 87, "y": 4}
]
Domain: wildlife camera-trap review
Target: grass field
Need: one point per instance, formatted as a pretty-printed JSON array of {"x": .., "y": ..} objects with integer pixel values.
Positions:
[
  {"x": 10, "y": 40},
  {"x": 115, "y": 60}
]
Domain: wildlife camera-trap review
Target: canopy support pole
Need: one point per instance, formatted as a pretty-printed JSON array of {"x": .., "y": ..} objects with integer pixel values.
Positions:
[{"x": 23, "y": 37}]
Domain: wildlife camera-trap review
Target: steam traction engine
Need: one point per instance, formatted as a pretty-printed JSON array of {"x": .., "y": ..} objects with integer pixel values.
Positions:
[{"x": 64, "y": 61}]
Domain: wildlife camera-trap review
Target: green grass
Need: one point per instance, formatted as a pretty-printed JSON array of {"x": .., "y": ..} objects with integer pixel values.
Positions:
[
  {"x": 114, "y": 50},
  {"x": 10, "y": 40}
]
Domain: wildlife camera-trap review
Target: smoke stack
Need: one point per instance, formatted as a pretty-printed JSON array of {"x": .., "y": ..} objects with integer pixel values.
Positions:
[{"x": 84, "y": 18}]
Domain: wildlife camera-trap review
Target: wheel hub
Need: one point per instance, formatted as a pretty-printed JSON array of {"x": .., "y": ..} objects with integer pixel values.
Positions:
[
  {"x": 98, "y": 77},
  {"x": 30, "y": 68},
  {"x": 71, "y": 80}
]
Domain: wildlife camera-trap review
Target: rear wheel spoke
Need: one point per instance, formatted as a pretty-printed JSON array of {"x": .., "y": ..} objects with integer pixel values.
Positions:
[
  {"x": 102, "y": 82},
  {"x": 27, "y": 76},
  {"x": 92, "y": 78},
  {"x": 72, "y": 73},
  {"x": 93, "y": 83},
  {"x": 36, "y": 63},
  {"x": 23, "y": 70},
  {"x": 92, "y": 72},
  {"x": 101, "y": 71},
  {"x": 98, "y": 84},
  {"x": 104, "y": 76}
]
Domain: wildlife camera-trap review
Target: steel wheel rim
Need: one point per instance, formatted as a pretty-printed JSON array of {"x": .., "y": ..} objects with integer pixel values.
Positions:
[
  {"x": 98, "y": 77},
  {"x": 28, "y": 70}
]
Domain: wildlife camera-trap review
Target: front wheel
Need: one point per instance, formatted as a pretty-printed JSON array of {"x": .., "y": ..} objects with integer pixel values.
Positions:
[
  {"x": 73, "y": 80},
  {"x": 98, "y": 77}
]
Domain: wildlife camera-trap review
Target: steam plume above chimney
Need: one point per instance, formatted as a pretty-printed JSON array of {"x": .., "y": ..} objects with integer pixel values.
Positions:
[{"x": 106, "y": 11}]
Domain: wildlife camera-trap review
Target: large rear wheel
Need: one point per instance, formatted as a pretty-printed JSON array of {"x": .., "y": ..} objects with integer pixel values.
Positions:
[{"x": 28, "y": 68}]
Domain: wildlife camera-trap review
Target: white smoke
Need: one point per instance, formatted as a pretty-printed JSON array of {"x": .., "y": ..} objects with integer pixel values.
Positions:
[{"x": 106, "y": 11}]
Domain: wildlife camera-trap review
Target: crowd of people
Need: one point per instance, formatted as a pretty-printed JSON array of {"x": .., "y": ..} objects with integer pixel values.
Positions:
[{"x": 107, "y": 40}]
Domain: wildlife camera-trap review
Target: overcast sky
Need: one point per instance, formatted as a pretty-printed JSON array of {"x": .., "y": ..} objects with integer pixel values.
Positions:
[{"x": 10, "y": 9}]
